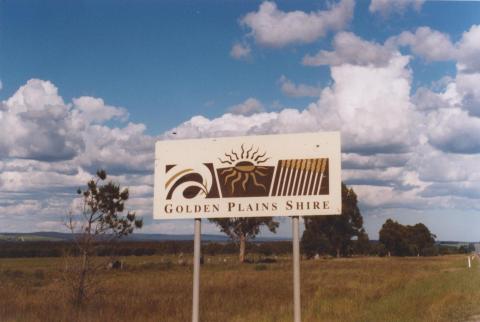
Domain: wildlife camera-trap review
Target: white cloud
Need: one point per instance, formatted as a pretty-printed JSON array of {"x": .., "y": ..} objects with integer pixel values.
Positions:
[
  {"x": 117, "y": 149},
  {"x": 383, "y": 197},
  {"x": 386, "y": 7},
  {"x": 391, "y": 176},
  {"x": 370, "y": 105},
  {"x": 350, "y": 49},
  {"x": 248, "y": 107},
  {"x": 94, "y": 110},
  {"x": 451, "y": 115},
  {"x": 48, "y": 148},
  {"x": 436, "y": 46},
  {"x": 225, "y": 125},
  {"x": 469, "y": 50},
  {"x": 459, "y": 92},
  {"x": 35, "y": 123},
  {"x": 454, "y": 130},
  {"x": 291, "y": 89},
  {"x": 377, "y": 161},
  {"x": 240, "y": 51},
  {"x": 275, "y": 28},
  {"x": 425, "y": 42},
  {"x": 433, "y": 165},
  {"x": 426, "y": 99},
  {"x": 35, "y": 180},
  {"x": 468, "y": 91}
]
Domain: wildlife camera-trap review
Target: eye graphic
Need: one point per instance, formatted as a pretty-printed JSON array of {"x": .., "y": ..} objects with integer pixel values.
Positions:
[{"x": 245, "y": 167}]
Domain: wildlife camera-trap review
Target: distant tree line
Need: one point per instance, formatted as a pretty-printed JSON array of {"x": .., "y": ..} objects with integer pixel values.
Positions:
[
  {"x": 137, "y": 248},
  {"x": 16, "y": 249}
]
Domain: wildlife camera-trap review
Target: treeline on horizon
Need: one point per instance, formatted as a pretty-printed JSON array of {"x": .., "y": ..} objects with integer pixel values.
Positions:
[{"x": 16, "y": 249}]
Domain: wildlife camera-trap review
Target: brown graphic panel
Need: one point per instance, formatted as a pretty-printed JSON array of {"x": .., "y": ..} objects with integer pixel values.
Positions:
[
  {"x": 301, "y": 177},
  {"x": 245, "y": 180},
  {"x": 246, "y": 173},
  {"x": 186, "y": 175}
]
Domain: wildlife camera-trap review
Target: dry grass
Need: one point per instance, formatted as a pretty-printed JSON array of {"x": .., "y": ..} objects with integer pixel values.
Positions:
[{"x": 154, "y": 289}]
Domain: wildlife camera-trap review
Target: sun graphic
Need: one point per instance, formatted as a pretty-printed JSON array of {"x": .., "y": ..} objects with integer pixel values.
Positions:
[{"x": 244, "y": 167}]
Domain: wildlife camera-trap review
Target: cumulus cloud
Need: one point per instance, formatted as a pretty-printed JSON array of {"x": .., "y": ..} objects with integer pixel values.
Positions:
[
  {"x": 433, "y": 165},
  {"x": 370, "y": 105},
  {"x": 35, "y": 123},
  {"x": 427, "y": 43},
  {"x": 392, "y": 198},
  {"x": 350, "y": 49},
  {"x": 460, "y": 92},
  {"x": 248, "y": 107},
  {"x": 454, "y": 130},
  {"x": 94, "y": 110},
  {"x": 426, "y": 99},
  {"x": 451, "y": 115},
  {"x": 226, "y": 125},
  {"x": 240, "y": 51},
  {"x": 436, "y": 46},
  {"x": 463, "y": 189},
  {"x": 377, "y": 161},
  {"x": 272, "y": 27},
  {"x": 48, "y": 148},
  {"x": 118, "y": 149},
  {"x": 424, "y": 42},
  {"x": 387, "y": 7},
  {"x": 291, "y": 89},
  {"x": 469, "y": 50},
  {"x": 468, "y": 92}
]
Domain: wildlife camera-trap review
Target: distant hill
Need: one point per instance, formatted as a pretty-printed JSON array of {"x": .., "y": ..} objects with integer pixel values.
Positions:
[{"x": 56, "y": 236}]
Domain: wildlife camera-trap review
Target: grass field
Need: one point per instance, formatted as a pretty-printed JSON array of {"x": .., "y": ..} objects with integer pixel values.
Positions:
[{"x": 156, "y": 288}]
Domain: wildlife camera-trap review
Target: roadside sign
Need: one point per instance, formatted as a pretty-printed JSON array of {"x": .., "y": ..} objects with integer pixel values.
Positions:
[{"x": 266, "y": 175}]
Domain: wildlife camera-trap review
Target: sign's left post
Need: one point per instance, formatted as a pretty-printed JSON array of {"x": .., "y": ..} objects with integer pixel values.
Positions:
[{"x": 196, "y": 271}]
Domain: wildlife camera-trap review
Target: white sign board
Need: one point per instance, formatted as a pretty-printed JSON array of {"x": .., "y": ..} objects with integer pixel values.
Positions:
[{"x": 252, "y": 176}]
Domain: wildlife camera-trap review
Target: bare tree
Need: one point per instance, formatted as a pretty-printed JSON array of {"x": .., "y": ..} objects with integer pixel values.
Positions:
[{"x": 99, "y": 223}]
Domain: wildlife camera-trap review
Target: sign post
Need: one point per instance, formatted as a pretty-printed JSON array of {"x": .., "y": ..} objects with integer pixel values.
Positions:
[
  {"x": 196, "y": 271},
  {"x": 296, "y": 270},
  {"x": 252, "y": 176}
]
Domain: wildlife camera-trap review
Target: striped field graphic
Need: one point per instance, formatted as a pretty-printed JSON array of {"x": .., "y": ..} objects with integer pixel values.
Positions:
[{"x": 301, "y": 177}]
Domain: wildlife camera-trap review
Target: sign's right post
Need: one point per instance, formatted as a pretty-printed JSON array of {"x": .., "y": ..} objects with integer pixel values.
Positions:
[{"x": 296, "y": 269}]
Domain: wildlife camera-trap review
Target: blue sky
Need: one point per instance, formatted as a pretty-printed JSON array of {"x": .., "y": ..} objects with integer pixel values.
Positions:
[{"x": 117, "y": 75}]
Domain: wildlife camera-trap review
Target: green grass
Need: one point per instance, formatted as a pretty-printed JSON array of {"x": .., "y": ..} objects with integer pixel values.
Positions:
[{"x": 157, "y": 288}]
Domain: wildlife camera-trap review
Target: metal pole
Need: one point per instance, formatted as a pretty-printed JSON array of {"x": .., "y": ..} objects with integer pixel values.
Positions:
[
  {"x": 296, "y": 269},
  {"x": 196, "y": 270}
]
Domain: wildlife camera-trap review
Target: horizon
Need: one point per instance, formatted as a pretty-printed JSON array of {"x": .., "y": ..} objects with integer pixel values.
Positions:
[
  {"x": 89, "y": 85},
  {"x": 261, "y": 238}
]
